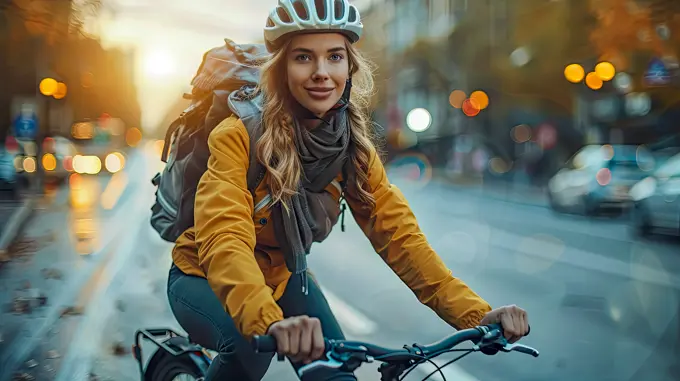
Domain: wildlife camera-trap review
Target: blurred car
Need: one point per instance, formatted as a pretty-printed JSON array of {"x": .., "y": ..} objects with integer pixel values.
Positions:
[
  {"x": 8, "y": 176},
  {"x": 95, "y": 158},
  {"x": 655, "y": 199},
  {"x": 57, "y": 158},
  {"x": 598, "y": 177}
]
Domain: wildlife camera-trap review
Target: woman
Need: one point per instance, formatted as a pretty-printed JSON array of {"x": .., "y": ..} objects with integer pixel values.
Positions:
[{"x": 236, "y": 275}]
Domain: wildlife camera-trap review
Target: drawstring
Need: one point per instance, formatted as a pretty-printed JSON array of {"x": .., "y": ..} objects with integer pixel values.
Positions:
[
  {"x": 304, "y": 280},
  {"x": 343, "y": 207}
]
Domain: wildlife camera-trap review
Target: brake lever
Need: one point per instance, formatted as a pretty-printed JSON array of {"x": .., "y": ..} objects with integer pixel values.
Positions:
[
  {"x": 329, "y": 363},
  {"x": 519, "y": 348}
]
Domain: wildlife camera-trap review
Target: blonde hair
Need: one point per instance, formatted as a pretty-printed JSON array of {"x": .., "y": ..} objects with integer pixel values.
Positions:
[{"x": 276, "y": 147}]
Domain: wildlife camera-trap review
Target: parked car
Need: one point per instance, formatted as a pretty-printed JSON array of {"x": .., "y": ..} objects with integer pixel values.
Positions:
[
  {"x": 656, "y": 204},
  {"x": 599, "y": 177}
]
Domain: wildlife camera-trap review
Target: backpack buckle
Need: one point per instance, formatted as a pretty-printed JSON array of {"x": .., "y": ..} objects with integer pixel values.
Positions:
[{"x": 156, "y": 179}]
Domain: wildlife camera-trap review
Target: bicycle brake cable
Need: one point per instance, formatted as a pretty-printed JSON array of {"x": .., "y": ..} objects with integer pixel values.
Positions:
[
  {"x": 448, "y": 363},
  {"x": 421, "y": 360}
]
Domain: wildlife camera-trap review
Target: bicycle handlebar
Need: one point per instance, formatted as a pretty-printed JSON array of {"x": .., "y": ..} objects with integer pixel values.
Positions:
[{"x": 488, "y": 339}]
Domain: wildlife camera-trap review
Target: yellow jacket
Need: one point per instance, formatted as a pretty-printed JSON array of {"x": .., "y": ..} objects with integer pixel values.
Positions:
[{"x": 230, "y": 226}]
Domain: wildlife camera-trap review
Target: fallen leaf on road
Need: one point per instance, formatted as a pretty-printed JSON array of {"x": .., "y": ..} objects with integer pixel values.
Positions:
[
  {"x": 42, "y": 300},
  {"x": 23, "y": 246},
  {"x": 21, "y": 305},
  {"x": 72, "y": 311},
  {"x": 119, "y": 349},
  {"x": 23, "y": 377},
  {"x": 50, "y": 273},
  {"x": 53, "y": 354}
]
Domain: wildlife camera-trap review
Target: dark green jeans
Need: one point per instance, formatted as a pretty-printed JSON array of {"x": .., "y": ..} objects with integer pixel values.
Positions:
[{"x": 202, "y": 316}]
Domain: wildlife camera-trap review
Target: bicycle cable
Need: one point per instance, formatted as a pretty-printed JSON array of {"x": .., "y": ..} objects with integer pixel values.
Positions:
[
  {"x": 429, "y": 359},
  {"x": 448, "y": 363},
  {"x": 422, "y": 359}
]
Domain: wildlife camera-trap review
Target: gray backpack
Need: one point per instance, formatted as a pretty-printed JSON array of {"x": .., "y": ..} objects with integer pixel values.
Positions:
[{"x": 224, "y": 85}]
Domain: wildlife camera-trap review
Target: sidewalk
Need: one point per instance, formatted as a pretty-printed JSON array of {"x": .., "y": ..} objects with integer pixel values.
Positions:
[
  {"x": 504, "y": 190},
  {"x": 13, "y": 216}
]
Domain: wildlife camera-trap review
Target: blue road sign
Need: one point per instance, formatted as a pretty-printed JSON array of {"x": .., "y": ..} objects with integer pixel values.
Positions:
[
  {"x": 26, "y": 126},
  {"x": 657, "y": 73}
]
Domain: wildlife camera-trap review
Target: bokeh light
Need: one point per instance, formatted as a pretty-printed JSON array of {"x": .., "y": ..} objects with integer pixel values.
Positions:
[
  {"x": 133, "y": 137},
  {"x": 29, "y": 164},
  {"x": 413, "y": 167},
  {"x": 603, "y": 176},
  {"x": 499, "y": 166},
  {"x": 607, "y": 151},
  {"x": 86, "y": 80},
  {"x": 480, "y": 99},
  {"x": 48, "y": 86},
  {"x": 574, "y": 73},
  {"x": 521, "y": 133},
  {"x": 470, "y": 107},
  {"x": 49, "y": 162},
  {"x": 114, "y": 162},
  {"x": 418, "y": 120},
  {"x": 593, "y": 81},
  {"x": 605, "y": 70},
  {"x": 457, "y": 98},
  {"x": 61, "y": 91}
]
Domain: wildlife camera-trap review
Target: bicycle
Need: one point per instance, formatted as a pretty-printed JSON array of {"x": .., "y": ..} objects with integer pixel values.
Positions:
[{"x": 180, "y": 357}]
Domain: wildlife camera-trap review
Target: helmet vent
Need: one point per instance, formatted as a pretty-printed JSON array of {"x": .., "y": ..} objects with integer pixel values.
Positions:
[
  {"x": 339, "y": 9},
  {"x": 283, "y": 15},
  {"x": 320, "y": 6},
  {"x": 301, "y": 10},
  {"x": 352, "y": 14}
]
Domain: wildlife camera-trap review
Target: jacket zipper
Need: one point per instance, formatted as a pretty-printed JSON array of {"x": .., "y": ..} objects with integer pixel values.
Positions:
[
  {"x": 166, "y": 205},
  {"x": 264, "y": 202},
  {"x": 337, "y": 185}
]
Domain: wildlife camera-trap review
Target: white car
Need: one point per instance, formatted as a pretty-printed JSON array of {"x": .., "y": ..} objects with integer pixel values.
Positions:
[
  {"x": 597, "y": 177},
  {"x": 656, "y": 201}
]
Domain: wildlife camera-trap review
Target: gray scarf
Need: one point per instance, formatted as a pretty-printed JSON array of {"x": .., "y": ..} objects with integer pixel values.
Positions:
[{"x": 313, "y": 212}]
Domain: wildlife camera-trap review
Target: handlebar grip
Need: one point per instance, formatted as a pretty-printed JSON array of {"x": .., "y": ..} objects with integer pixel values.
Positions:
[
  {"x": 264, "y": 344},
  {"x": 499, "y": 327}
]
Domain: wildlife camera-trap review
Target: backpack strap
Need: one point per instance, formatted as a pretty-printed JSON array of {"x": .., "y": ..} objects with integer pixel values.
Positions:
[{"x": 246, "y": 104}]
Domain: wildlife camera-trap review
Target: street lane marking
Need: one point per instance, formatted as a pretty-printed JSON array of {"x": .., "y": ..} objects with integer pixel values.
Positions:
[
  {"x": 357, "y": 324},
  {"x": 351, "y": 320},
  {"x": 590, "y": 261}
]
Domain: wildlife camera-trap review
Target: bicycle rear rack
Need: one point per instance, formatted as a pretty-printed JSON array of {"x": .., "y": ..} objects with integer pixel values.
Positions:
[{"x": 163, "y": 338}]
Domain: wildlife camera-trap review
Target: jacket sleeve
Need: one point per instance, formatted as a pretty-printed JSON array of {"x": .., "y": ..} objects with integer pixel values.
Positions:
[
  {"x": 395, "y": 235},
  {"x": 225, "y": 233}
]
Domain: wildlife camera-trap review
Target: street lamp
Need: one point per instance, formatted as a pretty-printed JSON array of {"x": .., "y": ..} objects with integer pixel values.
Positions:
[
  {"x": 605, "y": 70},
  {"x": 48, "y": 86},
  {"x": 61, "y": 91},
  {"x": 574, "y": 73}
]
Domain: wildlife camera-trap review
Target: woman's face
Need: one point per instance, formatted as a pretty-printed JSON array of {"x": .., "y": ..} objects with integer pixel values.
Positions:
[{"x": 318, "y": 69}]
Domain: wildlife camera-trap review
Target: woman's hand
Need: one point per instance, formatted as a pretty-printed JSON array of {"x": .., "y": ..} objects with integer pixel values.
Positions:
[
  {"x": 514, "y": 320},
  {"x": 299, "y": 337}
]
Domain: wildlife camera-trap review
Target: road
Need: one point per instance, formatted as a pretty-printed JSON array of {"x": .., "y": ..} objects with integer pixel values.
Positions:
[{"x": 602, "y": 306}]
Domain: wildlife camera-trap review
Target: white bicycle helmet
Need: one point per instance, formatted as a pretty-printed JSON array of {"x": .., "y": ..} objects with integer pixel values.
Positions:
[{"x": 310, "y": 16}]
